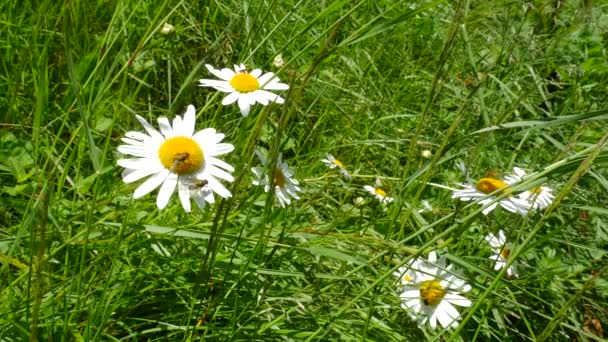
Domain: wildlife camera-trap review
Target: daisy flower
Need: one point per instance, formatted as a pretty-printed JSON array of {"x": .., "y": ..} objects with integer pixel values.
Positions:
[
  {"x": 487, "y": 190},
  {"x": 285, "y": 186},
  {"x": 333, "y": 163},
  {"x": 177, "y": 157},
  {"x": 431, "y": 290},
  {"x": 539, "y": 197},
  {"x": 244, "y": 87},
  {"x": 378, "y": 192},
  {"x": 407, "y": 274},
  {"x": 501, "y": 253}
]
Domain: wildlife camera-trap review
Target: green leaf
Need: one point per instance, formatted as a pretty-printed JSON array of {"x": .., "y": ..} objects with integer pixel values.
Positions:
[{"x": 552, "y": 122}]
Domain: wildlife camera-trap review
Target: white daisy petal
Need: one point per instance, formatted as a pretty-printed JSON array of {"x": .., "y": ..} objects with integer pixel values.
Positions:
[
  {"x": 244, "y": 105},
  {"x": 221, "y": 164},
  {"x": 222, "y": 86},
  {"x": 256, "y": 73},
  {"x": 231, "y": 98},
  {"x": 166, "y": 190},
  {"x": 457, "y": 299},
  {"x": 177, "y": 125},
  {"x": 444, "y": 318},
  {"x": 265, "y": 79},
  {"x": 188, "y": 123},
  {"x": 218, "y": 188},
  {"x": 184, "y": 195},
  {"x": 138, "y": 174},
  {"x": 151, "y": 184},
  {"x": 133, "y": 151},
  {"x": 165, "y": 127},
  {"x": 273, "y": 85}
]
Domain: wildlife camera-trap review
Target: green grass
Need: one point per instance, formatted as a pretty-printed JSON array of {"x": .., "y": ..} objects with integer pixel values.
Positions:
[{"x": 488, "y": 85}]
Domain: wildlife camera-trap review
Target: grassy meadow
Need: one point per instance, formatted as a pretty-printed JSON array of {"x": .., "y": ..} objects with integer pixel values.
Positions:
[{"x": 421, "y": 96}]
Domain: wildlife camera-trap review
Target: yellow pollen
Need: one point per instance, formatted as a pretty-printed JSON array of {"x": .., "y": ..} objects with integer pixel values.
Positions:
[
  {"x": 181, "y": 155},
  {"x": 380, "y": 192},
  {"x": 505, "y": 252},
  {"x": 489, "y": 185},
  {"x": 431, "y": 292},
  {"x": 279, "y": 178},
  {"x": 407, "y": 278},
  {"x": 338, "y": 163},
  {"x": 244, "y": 83}
]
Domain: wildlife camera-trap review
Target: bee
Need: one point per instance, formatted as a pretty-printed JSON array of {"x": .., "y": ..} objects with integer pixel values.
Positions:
[
  {"x": 178, "y": 160},
  {"x": 198, "y": 184}
]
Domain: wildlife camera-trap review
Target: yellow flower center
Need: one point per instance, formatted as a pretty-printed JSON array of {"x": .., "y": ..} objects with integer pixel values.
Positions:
[
  {"x": 505, "y": 252},
  {"x": 380, "y": 192},
  {"x": 489, "y": 185},
  {"x": 181, "y": 155},
  {"x": 338, "y": 163},
  {"x": 536, "y": 190},
  {"x": 407, "y": 278},
  {"x": 279, "y": 178},
  {"x": 244, "y": 83},
  {"x": 431, "y": 292}
]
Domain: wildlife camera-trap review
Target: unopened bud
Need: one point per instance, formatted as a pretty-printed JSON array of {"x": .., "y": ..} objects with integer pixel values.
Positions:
[
  {"x": 278, "y": 61},
  {"x": 426, "y": 154},
  {"x": 359, "y": 201},
  {"x": 167, "y": 29}
]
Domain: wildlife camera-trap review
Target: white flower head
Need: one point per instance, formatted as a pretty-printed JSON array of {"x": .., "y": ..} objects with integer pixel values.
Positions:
[
  {"x": 333, "y": 163},
  {"x": 431, "y": 290},
  {"x": 539, "y": 197},
  {"x": 285, "y": 186},
  {"x": 378, "y": 192},
  {"x": 501, "y": 253},
  {"x": 487, "y": 190},
  {"x": 245, "y": 87},
  {"x": 177, "y": 157},
  {"x": 167, "y": 28}
]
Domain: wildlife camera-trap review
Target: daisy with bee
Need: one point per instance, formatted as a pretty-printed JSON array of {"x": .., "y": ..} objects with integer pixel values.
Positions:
[{"x": 177, "y": 158}]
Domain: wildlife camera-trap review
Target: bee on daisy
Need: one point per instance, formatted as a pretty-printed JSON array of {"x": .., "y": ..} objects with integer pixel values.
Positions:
[
  {"x": 378, "y": 192},
  {"x": 333, "y": 163},
  {"x": 285, "y": 186},
  {"x": 486, "y": 192},
  {"x": 176, "y": 157},
  {"x": 501, "y": 253},
  {"x": 431, "y": 290},
  {"x": 539, "y": 197},
  {"x": 245, "y": 88}
]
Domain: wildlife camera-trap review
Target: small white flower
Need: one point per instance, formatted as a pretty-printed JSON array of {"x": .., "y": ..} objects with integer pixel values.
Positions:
[
  {"x": 426, "y": 154},
  {"x": 332, "y": 163},
  {"x": 426, "y": 206},
  {"x": 359, "y": 201},
  {"x": 378, "y": 192},
  {"x": 177, "y": 157},
  {"x": 244, "y": 87},
  {"x": 285, "y": 186},
  {"x": 487, "y": 190},
  {"x": 431, "y": 290},
  {"x": 407, "y": 274},
  {"x": 278, "y": 61},
  {"x": 501, "y": 253},
  {"x": 539, "y": 197},
  {"x": 167, "y": 28}
]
